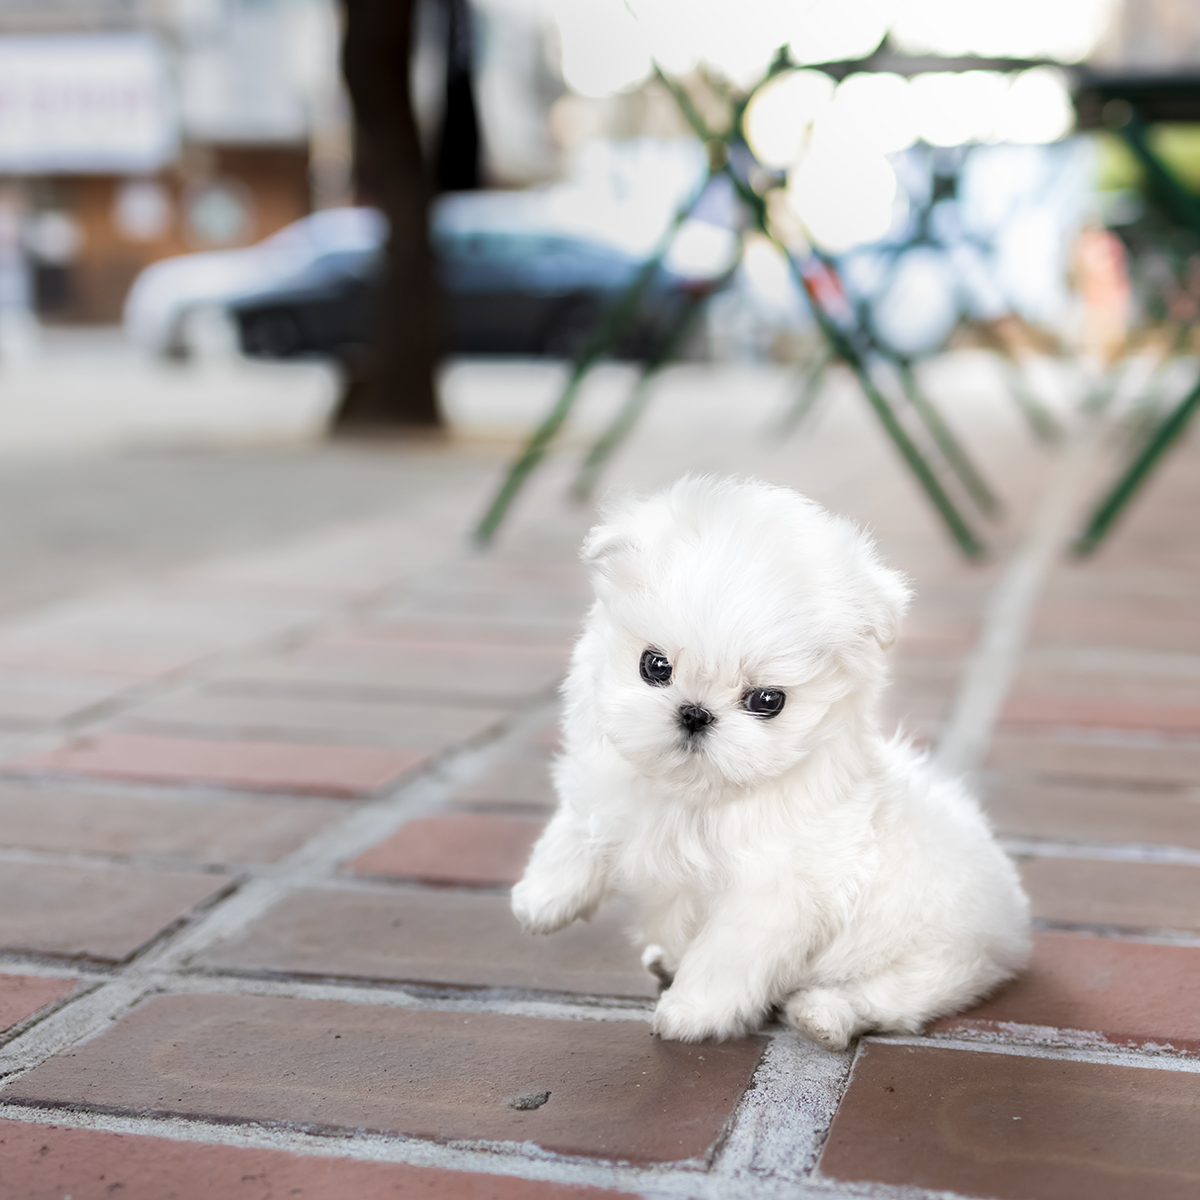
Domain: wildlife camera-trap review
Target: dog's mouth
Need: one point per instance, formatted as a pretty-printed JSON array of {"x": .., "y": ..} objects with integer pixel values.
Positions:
[{"x": 694, "y": 747}]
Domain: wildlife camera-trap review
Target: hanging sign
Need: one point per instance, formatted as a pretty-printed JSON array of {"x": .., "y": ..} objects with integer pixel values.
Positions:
[{"x": 86, "y": 103}]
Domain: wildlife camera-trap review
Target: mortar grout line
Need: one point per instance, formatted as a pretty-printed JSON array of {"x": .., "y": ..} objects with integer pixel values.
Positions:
[
  {"x": 1129, "y": 852},
  {"x": 1106, "y": 1055},
  {"x": 334, "y": 878},
  {"x": 20, "y": 964},
  {"x": 989, "y": 670},
  {"x": 417, "y": 997},
  {"x": 386, "y": 993},
  {"x": 659, "y": 1181}
]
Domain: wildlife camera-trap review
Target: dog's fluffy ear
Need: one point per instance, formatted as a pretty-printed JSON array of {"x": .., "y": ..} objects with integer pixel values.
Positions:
[
  {"x": 612, "y": 549},
  {"x": 605, "y": 543},
  {"x": 889, "y": 600}
]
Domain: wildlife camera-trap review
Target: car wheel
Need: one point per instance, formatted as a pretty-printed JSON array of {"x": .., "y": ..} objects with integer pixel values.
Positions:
[{"x": 273, "y": 335}]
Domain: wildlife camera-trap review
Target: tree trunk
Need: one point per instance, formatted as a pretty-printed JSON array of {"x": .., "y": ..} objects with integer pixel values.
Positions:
[
  {"x": 458, "y": 146},
  {"x": 394, "y": 387}
]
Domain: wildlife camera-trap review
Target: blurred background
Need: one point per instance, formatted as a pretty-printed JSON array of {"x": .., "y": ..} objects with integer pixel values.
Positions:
[{"x": 245, "y": 223}]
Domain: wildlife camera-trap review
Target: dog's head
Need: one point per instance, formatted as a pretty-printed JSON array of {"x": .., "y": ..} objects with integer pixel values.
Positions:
[{"x": 735, "y": 624}]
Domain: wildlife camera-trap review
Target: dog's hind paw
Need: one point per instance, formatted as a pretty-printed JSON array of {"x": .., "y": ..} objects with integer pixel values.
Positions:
[
  {"x": 654, "y": 959},
  {"x": 823, "y": 1016}
]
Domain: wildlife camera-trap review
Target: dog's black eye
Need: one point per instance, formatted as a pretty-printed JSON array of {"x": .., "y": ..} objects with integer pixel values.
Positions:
[
  {"x": 656, "y": 670},
  {"x": 764, "y": 702}
]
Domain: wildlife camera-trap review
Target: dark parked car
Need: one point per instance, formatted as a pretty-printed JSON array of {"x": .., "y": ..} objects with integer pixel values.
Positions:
[{"x": 504, "y": 292}]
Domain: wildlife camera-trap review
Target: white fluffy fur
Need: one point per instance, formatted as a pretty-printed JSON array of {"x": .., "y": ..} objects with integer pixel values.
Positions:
[{"x": 805, "y": 861}]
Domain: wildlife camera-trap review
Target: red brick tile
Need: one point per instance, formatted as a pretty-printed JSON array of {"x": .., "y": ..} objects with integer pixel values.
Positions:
[
  {"x": 253, "y": 766},
  {"x": 1129, "y": 993},
  {"x": 1098, "y": 712},
  {"x": 23, "y": 995},
  {"x": 1014, "y": 1127},
  {"x": 922, "y": 703},
  {"x": 548, "y": 739},
  {"x": 614, "y": 1091},
  {"x": 48, "y": 1162},
  {"x": 1168, "y": 762},
  {"x": 519, "y": 783},
  {"x": 435, "y": 936},
  {"x": 437, "y": 672},
  {"x": 161, "y": 622},
  {"x": 1094, "y": 582},
  {"x": 563, "y": 578},
  {"x": 459, "y": 636},
  {"x": 1128, "y": 895},
  {"x": 103, "y": 913},
  {"x": 1142, "y": 623},
  {"x": 1078, "y": 812},
  {"x": 929, "y": 645},
  {"x": 477, "y": 606},
  {"x": 209, "y": 829},
  {"x": 464, "y": 848},
  {"x": 29, "y": 697},
  {"x": 315, "y": 718},
  {"x": 1134, "y": 677},
  {"x": 83, "y": 660}
]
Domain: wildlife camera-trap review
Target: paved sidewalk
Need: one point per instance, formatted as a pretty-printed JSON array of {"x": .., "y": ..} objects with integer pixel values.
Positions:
[{"x": 259, "y": 818}]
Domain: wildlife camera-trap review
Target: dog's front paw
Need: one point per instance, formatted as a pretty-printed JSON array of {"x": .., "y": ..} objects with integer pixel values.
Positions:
[
  {"x": 823, "y": 1016},
  {"x": 678, "y": 1019},
  {"x": 541, "y": 908}
]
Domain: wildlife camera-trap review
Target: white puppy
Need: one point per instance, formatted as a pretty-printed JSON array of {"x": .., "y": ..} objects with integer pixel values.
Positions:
[{"x": 723, "y": 765}]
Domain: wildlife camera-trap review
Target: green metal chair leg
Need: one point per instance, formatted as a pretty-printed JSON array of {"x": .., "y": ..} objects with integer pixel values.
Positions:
[
  {"x": 947, "y": 443},
  {"x": 1107, "y": 511},
  {"x": 615, "y": 322},
  {"x": 968, "y": 543},
  {"x": 812, "y": 377},
  {"x": 620, "y": 316},
  {"x": 838, "y": 343},
  {"x": 1041, "y": 420},
  {"x": 620, "y": 427}
]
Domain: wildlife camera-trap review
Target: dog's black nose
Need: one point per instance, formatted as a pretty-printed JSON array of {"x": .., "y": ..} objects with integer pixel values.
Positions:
[{"x": 694, "y": 718}]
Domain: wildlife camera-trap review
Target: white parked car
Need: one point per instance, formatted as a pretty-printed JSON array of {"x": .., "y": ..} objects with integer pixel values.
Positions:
[{"x": 169, "y": 295}]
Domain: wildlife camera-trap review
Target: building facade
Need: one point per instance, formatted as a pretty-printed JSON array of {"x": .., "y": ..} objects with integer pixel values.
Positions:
[{"x": 135, "y": 129}]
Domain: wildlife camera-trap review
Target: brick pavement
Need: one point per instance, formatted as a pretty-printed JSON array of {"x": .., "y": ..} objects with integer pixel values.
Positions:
[{"x": 259, "y": 819}]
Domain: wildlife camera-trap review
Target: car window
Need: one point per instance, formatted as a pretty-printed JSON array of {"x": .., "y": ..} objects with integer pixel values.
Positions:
[
  {"x": 501, "y": 247},
  {"x": 347, "y": 262}
]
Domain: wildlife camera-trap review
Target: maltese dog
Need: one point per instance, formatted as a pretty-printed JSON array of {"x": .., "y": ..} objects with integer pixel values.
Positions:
[{"x": 723, "y": 766}]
